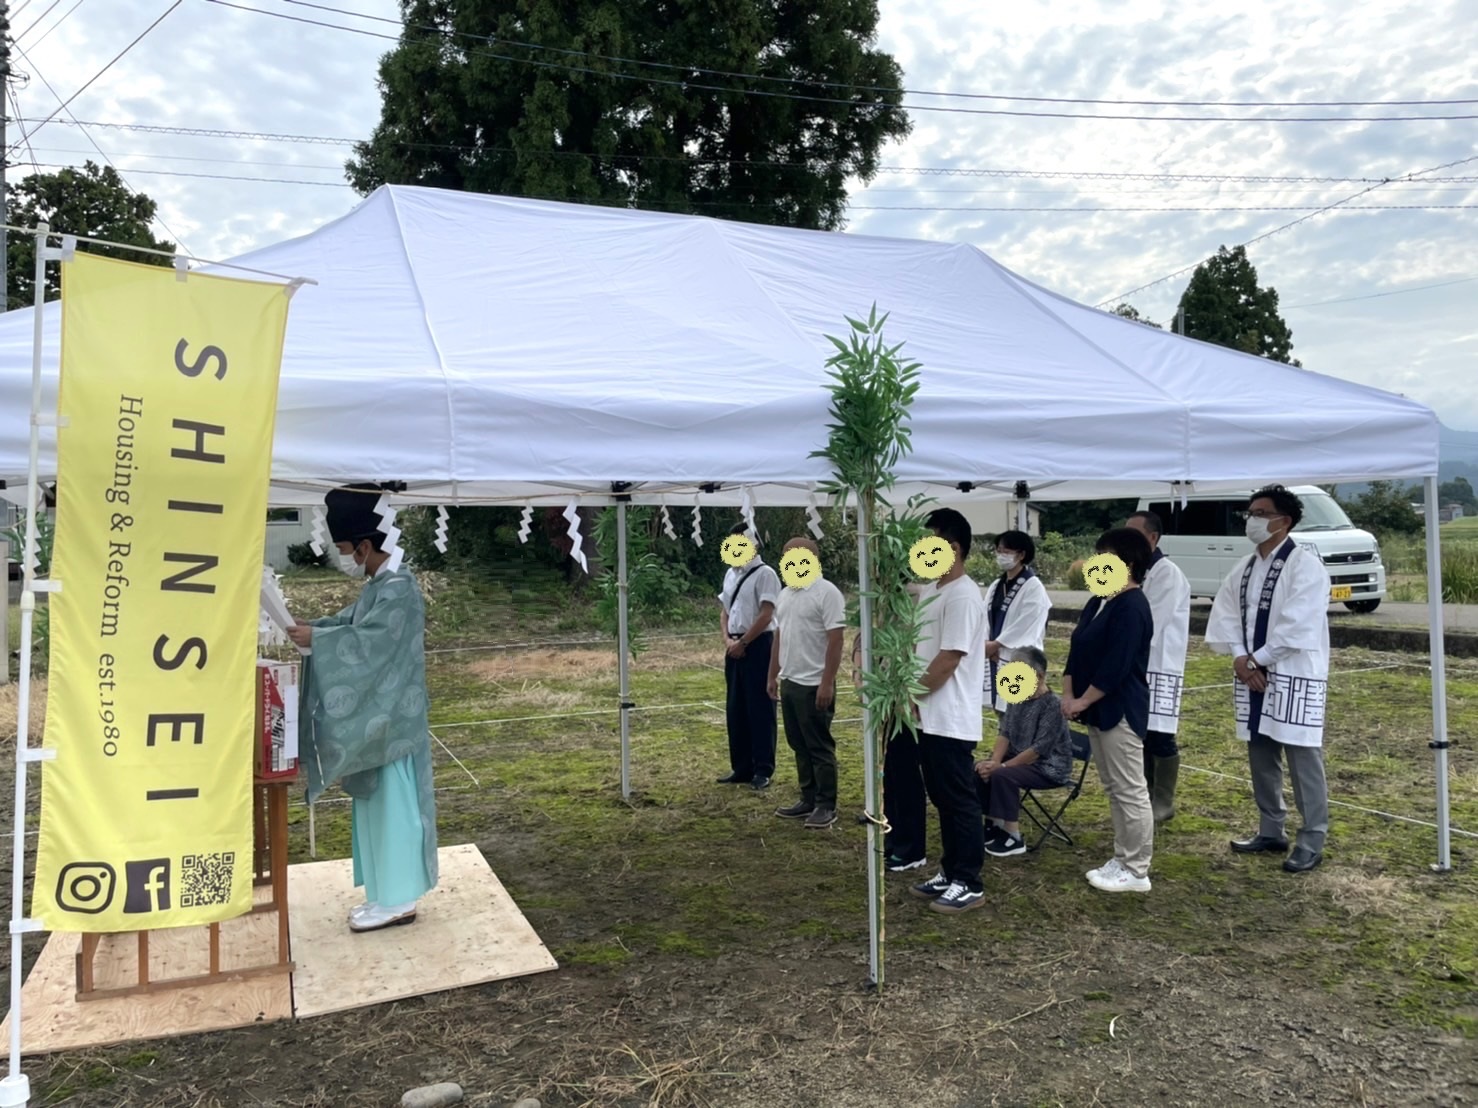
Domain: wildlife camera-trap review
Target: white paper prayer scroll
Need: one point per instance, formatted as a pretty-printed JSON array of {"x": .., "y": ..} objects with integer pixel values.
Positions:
[{"x": 275, "y": 605}]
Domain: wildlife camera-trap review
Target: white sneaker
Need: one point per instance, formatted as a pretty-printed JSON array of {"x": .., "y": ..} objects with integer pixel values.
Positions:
[
  {"x": 1108, "y": 869},
  {"x": 1121, "y": 881},
  {"x": 377, "y": 917}
]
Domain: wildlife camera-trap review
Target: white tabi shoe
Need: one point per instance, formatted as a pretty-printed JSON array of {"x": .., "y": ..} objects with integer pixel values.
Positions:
[{"x": 376, "y": 917}]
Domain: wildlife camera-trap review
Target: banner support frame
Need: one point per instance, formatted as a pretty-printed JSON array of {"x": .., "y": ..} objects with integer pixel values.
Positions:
[{"x": 15, "y": 1087}]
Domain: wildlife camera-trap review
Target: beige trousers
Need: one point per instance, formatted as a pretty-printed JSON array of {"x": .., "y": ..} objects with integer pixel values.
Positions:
[{"x": 1118, "y": 754}]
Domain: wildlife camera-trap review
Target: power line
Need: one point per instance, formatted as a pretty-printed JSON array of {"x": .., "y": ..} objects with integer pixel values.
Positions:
[
  {"x": 37, "y": 21},
  {"x": 57, "y": 24},
  {"x": 85, "y": 134},
  {"x": 743, "y": 204},
  {"x": 940, "y": 171},
  {"x": 1379, "y": 295},
  {"x": 868, "y": 189},
  {"x": 500, "y": 39},
  {"x": 66, "y": 103},
  {"x": 1291, "y": 223},
  {"x": 802, "y": 98}
]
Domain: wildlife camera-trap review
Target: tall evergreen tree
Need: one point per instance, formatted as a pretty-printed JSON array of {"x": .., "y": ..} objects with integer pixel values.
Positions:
[
  {"x": 756, "y": 110},
  {"x": 89, "y": 201},
  {"x": 1224, "y": 304}
]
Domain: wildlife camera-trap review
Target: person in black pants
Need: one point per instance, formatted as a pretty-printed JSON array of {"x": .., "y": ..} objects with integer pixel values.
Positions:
[
  {"x": 949, "y": 721},
  {"x": 905, "y": 804},
  {"x": 748, "y": 601}
]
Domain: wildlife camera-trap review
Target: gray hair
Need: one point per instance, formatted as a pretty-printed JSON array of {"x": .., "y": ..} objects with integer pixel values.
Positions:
[{"x": 1031, "y": 656}]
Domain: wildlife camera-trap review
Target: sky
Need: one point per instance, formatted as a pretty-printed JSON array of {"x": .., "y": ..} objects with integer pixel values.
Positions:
[{"x": 210, "y": 66}]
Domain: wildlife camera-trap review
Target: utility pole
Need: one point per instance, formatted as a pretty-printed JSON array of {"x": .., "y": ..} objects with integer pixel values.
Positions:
[
  {"x": 4, "y": 153},
  {"x": 1178, "y": 326}
]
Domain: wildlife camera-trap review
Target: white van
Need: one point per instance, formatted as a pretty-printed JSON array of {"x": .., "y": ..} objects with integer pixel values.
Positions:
[{"x": 1207, "y": 538}]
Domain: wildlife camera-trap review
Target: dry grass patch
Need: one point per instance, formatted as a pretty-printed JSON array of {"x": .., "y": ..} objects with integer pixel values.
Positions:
[
  {"x": 10, "y": 707},
  {"x": 575, "y": 664},
  {"x": 1360, "y": 894}
]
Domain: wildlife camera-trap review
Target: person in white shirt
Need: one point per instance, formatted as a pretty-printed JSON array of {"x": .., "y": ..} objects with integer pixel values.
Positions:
[
  {"x": 949, "y": 721},
  {"x": 809, "y": 622},
  {"x": 1169, "y": 594},
  {"x": 1016, "y": 607},
  {"x": 748, "y": 604},
  {"x": 1272, "y": 615}
]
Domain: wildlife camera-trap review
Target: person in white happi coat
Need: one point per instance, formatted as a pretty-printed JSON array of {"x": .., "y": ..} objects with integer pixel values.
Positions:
[
  {"x": 1271, "y": 614},
  {"x": 1169, "y": 594},
  {"x": 1016, "y": 608}
]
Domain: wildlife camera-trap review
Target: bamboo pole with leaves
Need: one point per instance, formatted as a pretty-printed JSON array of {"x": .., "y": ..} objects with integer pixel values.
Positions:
[{"x": 869, "y": 433}]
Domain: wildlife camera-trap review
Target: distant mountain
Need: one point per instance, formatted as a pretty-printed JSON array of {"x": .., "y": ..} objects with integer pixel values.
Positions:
[{"x": 1457, "y": 456}]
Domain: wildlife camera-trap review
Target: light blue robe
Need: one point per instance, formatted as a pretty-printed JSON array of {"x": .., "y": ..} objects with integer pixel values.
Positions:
[{"x": 365, "y": 725}]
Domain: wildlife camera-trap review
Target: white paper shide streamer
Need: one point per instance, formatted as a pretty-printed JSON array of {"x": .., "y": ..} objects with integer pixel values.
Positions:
[
  {"x": 667, "y": 524},
  {"x": 697, "y": 523},
  {"x": 813, "y": 517},
  {"x": 441, "y": 528},
  {"x": 391, "y": 533},
  {"x": 748, "y": 511},
  {"x": 577, "y": 548},
  {"x": 319, "y": 541}
]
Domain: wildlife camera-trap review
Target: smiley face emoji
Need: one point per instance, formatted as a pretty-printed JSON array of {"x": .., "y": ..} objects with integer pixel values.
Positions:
[
  {"x": 1106, "y": 575},
  {"x": 799, "y": 568},
  {"x": 737, "y": 550},
  {"x": 931, "y": 557},
  {"x": 1015, "y": 682}
]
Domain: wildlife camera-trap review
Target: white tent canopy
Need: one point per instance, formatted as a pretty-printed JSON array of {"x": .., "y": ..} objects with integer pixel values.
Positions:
[
  {"x": 492, "y": 350},
  {"x": 489, "y": 349}
]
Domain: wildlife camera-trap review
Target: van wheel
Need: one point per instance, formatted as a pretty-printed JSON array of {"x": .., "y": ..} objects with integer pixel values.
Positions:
[{"x": 1362, "y": 605}]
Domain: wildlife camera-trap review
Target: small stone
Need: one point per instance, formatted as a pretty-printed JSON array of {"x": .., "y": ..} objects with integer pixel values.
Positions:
[
  {"x": 432, "y": 1096},
  {"x": 528, "y": 1102}
]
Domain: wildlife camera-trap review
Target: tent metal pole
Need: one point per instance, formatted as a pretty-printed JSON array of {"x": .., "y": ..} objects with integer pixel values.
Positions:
[
  {"x": 15, "y": 1087},
  {"x": 1439, "y": 742},
  {"x": 623, "y": 644},
  {"x": 1021, "y": 517},
  {"x": 869, "y": 759}
]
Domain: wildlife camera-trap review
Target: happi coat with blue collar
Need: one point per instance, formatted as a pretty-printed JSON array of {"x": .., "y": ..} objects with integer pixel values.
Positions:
[{"x": 1286, "y": 630}]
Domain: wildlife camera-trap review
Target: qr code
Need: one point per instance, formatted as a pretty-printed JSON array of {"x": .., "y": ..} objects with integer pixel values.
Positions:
[{"x": 206, "y": 879}]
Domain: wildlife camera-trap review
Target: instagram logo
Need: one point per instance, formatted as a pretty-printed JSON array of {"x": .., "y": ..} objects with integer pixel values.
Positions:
[{"x": 85, "y": 887}]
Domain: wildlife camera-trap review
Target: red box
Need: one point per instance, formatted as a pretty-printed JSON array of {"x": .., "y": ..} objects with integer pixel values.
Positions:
[{"x": 275, "y": 755}]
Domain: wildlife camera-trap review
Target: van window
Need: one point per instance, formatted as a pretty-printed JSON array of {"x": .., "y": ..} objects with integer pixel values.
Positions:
[
  {"x": 1217, "y": 518},
  {"x": 1322, "y": 513}
]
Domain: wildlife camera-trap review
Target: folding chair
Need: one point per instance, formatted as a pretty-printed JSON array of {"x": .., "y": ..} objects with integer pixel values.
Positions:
[{"x": 1052, "y": 827}]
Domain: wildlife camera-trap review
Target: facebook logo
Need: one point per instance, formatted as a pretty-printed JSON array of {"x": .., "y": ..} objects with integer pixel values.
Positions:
[{"x": 147, "y": 886}]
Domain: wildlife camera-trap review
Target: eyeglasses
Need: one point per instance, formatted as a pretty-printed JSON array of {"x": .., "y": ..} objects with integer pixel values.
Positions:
[{"x": 1260, "y": 515}]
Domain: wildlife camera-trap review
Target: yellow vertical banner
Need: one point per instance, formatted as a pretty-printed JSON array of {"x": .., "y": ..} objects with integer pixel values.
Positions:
[{"x": 167, "y": 402}]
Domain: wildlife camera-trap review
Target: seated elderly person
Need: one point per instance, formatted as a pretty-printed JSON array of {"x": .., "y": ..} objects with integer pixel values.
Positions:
[{"x": 1033, "y": 751}]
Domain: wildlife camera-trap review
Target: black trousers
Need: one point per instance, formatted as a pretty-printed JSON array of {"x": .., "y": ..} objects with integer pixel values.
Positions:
[
  {"x": 808, "y": 731},
  {"x": 1000, "y": 797},
  {"x": 1160, "y": 744},
  {"x": 949, "y": 777},
  {"x": 904, "y": 803},
  {"x": 750, "y": 711}
]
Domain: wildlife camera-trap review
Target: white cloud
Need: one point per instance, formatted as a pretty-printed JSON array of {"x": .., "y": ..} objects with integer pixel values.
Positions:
[{"x": 214, "y": 67}]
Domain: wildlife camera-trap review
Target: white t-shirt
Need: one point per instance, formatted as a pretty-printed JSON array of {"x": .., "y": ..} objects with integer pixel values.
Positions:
[
  {"x": 955, "y": 620},
  {"x": 760, "y": 587},
  {"x": 805, "y": 616}
]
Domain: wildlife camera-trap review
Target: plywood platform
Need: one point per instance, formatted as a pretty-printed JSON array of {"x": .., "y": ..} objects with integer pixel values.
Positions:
[{"x": 468, "y": 931}]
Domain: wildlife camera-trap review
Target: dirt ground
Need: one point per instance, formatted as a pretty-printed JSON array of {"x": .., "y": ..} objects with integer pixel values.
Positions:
[{"x": 711, "y": 954}]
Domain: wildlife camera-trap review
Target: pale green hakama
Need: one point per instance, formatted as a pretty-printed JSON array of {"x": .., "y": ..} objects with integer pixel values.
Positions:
[{"x": 364, "y": 707}]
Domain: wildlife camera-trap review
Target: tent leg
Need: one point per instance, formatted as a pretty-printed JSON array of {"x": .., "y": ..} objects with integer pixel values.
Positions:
[
  {"x": 624, "y": 646},
  {"x": 1439, "y": 675},
  {"x": 870, "y": 777},
  {"x": 1022, "y": 517},
  {"x": 312, "y": 830},
  {"x": 15, "y": 1087}
]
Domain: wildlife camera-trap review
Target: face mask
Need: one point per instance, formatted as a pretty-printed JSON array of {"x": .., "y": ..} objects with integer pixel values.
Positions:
[
  {"x": 349, "y": 566},
  {"x": 1258, "y": 530},
  {"x": 1005, "y": 561}
]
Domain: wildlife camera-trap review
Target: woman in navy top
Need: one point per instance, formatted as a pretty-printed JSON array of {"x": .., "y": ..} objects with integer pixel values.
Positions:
[{"x": 1104, "y": 685}]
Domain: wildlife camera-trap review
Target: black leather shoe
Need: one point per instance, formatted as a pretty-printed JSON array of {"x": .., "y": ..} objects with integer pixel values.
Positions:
[
  {"x": 733, "y": 779},
  {"x": 1303, "y": 859},
  {"x": 1260, "y": 844},
  {"x": 760, "y": 782}
]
